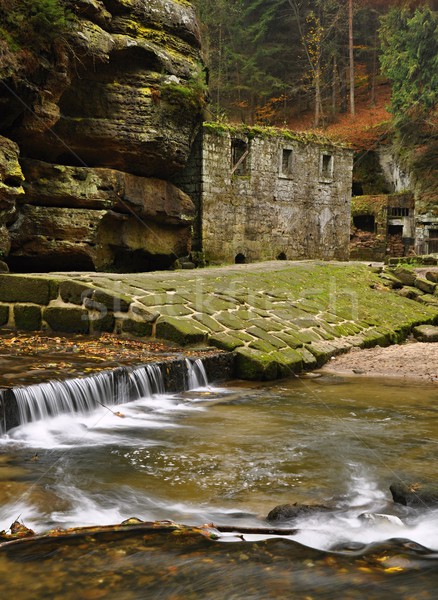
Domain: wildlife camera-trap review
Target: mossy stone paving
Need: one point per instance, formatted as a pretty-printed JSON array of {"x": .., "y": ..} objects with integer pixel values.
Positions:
[{"x": 278, "y": 317}]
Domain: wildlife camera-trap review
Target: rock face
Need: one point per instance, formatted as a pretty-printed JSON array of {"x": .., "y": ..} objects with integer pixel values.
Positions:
[
  {"x": 11, "y": 179},
  {"x": 114, "y": 114}
]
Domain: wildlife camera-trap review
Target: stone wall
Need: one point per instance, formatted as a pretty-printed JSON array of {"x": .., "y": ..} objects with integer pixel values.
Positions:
[
  {"x": 269, "y": 194},
  {"x": 382, "y": 225}
]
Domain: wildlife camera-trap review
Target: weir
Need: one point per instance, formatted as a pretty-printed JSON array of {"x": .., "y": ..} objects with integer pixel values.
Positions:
[{"x": 19, "y": 405}]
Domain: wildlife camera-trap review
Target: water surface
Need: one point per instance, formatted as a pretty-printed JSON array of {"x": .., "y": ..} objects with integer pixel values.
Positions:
[{"x": 228, "y": 456}]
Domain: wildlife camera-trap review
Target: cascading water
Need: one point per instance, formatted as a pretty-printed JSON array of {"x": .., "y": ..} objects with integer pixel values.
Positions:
[
  {"x": 83, "y": 395},
  {"x": 196, "y": 374}
]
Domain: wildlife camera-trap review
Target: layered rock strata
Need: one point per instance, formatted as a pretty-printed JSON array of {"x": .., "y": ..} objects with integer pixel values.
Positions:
[{"x": 112, "y": 113}]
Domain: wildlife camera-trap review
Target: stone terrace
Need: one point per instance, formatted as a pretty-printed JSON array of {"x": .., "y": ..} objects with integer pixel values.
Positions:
[{"x": 278, "y": 317}]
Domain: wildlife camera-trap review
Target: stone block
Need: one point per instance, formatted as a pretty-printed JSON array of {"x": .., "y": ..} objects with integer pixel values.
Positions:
[
  {"x": 255, "y": 366},
  {"x": 76, "y": 292},
  {"x": 426, "y": 333},
  {"x": 67, "y": 319},
  {"x": 375, "y": 337},
  {"x": 322, "y": 351},
  {"x": 209, "y": 322},
  {"x": 432, "y": 276},
  {"x": 288, "y": 361},
  {"x": 425, "y": 285},
  {"x": 4, "y": 314},
  {"x": 428, "y": 299},
  {"x": 230, "y": 321},
  {"x": 262, "y": 346},
  {"x": 137, "y": 328},
  {"x": 104, "y": 323},
  {"x": 182, "y": 331},
  {"x": 309, "y": 360},
  {"x": 267, "y": 337},
  {"x": 290, "y": 340},
  {"x": 409, "y": 292},
  {"x": 175, "y": 310},
  {"x": 225, "y": 342},
  {"x": 24, "y": 288},
  {"x": 27, "y": 317},
  {"x": 406, "y": 276}
]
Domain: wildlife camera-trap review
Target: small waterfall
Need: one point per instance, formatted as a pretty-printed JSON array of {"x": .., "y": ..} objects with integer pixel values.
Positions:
[
  {"x": 83, "y": 395},
  {"x": 196, "y": 375},
  {"x": 156, "y": 378}
]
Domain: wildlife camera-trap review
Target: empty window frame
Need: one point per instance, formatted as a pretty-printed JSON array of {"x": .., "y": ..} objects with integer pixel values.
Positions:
[
  {"x": 286, "y": 162},
  {"x": 239, "y": 157},
  {"x": 433, "y": 241},
  {"x": 326, "y": 166},
  {"x": 398, "y": 212}
]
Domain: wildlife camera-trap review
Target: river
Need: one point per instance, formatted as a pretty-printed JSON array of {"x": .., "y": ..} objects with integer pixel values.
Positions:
[{"x": 227, "y": 456}]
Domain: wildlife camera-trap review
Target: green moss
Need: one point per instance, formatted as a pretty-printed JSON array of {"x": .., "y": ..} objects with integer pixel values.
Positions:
[
  {"x": 66, "y": 319},
  {"x": 252, "y": 131},
  {"x": 27, "y": 317},
  {"x": 137, "y": 328},
  {"x": 191, "y": 95},
  {"x": 182, "y": 331},
  {"x": 24, "y": 288},
  {"x": 368, "y": 205},
  {"x": 255, "y": 366},
  {"x": 225, "y": 342}
]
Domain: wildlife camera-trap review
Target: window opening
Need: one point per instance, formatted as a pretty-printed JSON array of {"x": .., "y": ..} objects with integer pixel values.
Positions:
[
  {"x": 286, "y": 162},
  {"x": 239, "y": 155},
  {"x": 364, "y": 222},
  {"x": 433, "y": 241},
  {"x": 398, "y": 212},
  {"x": 327, "y": 166}
]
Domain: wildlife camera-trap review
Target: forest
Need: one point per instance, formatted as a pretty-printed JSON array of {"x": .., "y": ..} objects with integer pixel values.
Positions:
[{"x": 306, "y": 63}]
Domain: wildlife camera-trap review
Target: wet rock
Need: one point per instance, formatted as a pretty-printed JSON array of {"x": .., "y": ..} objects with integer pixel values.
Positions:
[
  {"x": 415, "y": 495},
  {"x": 290, "y": 512},
  {"x": 381, "y": 519}
]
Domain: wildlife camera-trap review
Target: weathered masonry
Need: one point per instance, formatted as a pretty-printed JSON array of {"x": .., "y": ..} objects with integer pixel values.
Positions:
[{"x": 264, "y": 193}]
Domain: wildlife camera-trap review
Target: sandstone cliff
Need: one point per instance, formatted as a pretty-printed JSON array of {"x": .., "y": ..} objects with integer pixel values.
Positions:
[{"x": 102, "y": 120}]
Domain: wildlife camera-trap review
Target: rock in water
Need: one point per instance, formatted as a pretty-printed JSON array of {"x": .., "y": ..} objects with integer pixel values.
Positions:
[
  {"x": 290, "y": 512},
  {"x": 381, "y": 519},
  {"x": 415, "y": 495}
]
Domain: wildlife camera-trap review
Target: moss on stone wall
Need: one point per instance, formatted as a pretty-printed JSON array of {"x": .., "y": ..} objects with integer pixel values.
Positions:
[{"x": 252, "y": 131}]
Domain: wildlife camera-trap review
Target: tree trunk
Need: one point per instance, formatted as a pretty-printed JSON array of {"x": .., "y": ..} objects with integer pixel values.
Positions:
[{"x": 351, "y": 52}]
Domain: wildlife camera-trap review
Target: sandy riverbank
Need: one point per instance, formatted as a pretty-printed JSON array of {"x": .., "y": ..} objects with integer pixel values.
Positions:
[{"x": 412, "y": 360}]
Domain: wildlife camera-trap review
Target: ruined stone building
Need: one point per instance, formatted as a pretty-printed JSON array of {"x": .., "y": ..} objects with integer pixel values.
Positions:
[
  {"x": 265, "y": 194},
  {"x": 390, "y": 214}
]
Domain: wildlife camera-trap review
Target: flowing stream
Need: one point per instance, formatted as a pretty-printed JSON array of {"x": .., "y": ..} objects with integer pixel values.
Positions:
[{"x": 228, "y": 456}]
